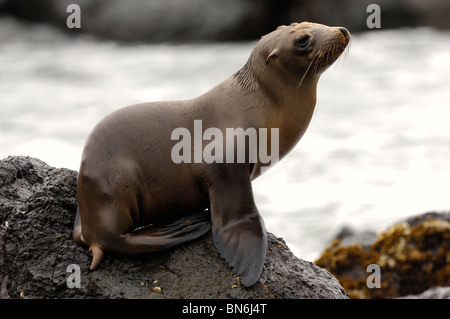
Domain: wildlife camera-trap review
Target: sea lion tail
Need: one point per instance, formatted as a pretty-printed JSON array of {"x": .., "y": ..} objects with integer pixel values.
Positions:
[{"x": 97, "y": 256}]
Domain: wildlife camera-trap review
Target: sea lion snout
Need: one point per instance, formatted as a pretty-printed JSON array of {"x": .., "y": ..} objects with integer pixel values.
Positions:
[
  {"x": 329, "y": 46},
  {"x": 345, "y": 32},
  {"x": 338, "y": 36},
  {"x": 343, "y": 35}
]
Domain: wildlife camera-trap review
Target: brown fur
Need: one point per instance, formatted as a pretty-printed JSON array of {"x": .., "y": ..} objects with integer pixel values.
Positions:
[{"x": 133, "y": 199}]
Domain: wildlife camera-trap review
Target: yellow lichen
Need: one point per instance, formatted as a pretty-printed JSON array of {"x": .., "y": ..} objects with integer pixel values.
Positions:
[{"x": 411, "y": 259}]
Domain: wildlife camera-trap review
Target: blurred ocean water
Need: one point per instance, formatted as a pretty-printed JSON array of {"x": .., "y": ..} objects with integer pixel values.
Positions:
[{"x": 377, "y": 149}]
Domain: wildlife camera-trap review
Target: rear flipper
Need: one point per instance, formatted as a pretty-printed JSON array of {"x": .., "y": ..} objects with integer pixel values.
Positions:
[
  {"x": 166, "y": 235},
  {"x": 152, "y": 238}
]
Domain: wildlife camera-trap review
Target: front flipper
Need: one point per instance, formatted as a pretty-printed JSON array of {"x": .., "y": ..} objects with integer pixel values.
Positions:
[{"x": 238, "y": 229}]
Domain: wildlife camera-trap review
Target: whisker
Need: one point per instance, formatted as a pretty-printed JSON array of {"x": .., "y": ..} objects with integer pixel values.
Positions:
[
  {"x": 347, "y": 49},
  {"x": 319, "y": 60},
  {"x": 304, "y": 74},
  {"x": 324, "y": 56},
  {"x": 317, "y": 63},
  {"x": 343, "y": 56}
]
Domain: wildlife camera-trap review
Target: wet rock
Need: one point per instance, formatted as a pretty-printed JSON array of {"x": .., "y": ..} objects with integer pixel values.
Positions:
[
  {"x": 38, "y": 257},
  {"x": 412, "y": 255}
]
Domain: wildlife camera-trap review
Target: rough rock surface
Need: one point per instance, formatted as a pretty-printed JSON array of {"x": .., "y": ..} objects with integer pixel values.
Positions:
[
  {"x": 412, "y": 256},
  {"x": 37, "y": 209}
]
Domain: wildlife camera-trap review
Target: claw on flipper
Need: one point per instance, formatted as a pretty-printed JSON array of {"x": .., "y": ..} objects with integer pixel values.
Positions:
[{"x": 97, "y": 256}]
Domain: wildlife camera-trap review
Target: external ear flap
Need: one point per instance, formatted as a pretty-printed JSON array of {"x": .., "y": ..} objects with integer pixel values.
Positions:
[{"x": 272, "y": 54}]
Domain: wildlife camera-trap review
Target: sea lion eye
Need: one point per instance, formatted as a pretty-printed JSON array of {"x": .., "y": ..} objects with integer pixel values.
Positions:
[{"x": 302, "y": 42}]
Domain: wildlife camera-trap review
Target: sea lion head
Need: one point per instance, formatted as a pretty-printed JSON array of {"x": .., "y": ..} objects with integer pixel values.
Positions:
[{"x": 301, "y": 49}]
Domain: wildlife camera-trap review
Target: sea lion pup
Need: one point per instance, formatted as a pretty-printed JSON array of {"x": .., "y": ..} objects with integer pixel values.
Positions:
[{"x": 147, "y": 180}]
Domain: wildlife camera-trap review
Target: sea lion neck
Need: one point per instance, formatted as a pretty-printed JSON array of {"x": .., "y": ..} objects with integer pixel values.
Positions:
[
  {"x": 276, "y": 100},
  {"x": 246, "y": 79},
  {"x": 279, "y": 86}
]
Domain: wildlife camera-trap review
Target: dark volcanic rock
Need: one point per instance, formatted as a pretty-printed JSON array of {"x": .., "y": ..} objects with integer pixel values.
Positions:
[{"x": 37, "y": 209}]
